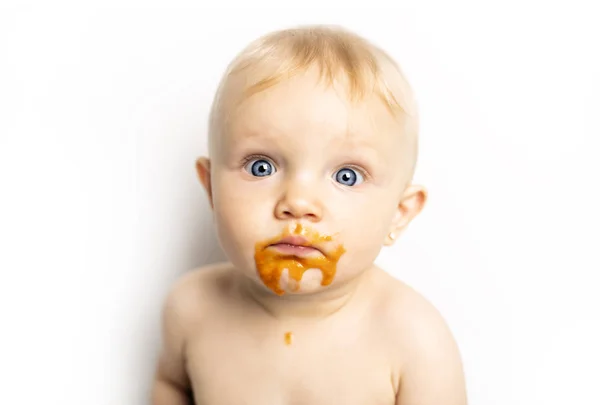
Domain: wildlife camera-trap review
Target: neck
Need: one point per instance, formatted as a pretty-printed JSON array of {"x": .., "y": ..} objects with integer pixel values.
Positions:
[{"x": 315, "y": 306}]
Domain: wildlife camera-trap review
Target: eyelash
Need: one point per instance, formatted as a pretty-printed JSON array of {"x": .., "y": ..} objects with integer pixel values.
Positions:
[
  {"x": 363, "y": 172},
  {"x": 247, "y": 159}
]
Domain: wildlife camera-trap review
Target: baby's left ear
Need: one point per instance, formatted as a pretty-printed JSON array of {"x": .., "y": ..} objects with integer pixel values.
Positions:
[
  {"x": 411, "y": 204},
  {"x": 203, "y": 171}
]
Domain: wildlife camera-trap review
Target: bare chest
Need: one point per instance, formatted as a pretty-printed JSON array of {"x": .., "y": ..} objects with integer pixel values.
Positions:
[{"x": 261, "y": 365}]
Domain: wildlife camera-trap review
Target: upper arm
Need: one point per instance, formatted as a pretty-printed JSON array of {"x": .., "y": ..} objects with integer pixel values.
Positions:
[
  {"x": 433, "y": 371},
  {"x": 175, "y": 320}
]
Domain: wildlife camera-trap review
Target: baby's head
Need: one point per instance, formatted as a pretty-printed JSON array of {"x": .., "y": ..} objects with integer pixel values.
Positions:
[{"x": 312, "y": 141}]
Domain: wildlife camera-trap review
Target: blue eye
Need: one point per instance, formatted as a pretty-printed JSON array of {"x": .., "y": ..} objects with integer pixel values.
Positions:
[
  {"x": 260, "y": 168},
  {"x": 348, "y": 177}
]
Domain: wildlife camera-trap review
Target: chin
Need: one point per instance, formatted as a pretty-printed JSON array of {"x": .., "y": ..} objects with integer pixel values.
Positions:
[{"x": 310, "y": 283}]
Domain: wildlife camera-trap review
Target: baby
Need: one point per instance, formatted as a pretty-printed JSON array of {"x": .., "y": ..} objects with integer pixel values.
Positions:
[{"x": 312, "y": 145}]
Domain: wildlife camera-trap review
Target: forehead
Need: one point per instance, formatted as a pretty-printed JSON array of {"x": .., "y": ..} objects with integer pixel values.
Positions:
[{"x": 304, "y": 108}]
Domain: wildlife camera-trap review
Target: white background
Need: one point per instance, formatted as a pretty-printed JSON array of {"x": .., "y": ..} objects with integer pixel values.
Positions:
[{"x": 103, "y": 111}]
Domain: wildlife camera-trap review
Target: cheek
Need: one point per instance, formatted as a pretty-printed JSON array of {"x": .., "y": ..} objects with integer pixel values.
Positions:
[
  {"x": 241, "y": 202},
  {"x": 239, "y": 217},
  {"x": 366, "y": 218},
  {"x": 364, "y": 226}
]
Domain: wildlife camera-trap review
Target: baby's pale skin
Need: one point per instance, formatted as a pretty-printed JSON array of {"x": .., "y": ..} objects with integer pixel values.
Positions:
[
  {"x": 361, "y": 338},
  {"x": 385, "y": 345}
]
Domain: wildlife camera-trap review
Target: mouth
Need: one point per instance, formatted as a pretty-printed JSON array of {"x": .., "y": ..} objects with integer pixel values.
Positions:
[{"x": 296, "y": 246}]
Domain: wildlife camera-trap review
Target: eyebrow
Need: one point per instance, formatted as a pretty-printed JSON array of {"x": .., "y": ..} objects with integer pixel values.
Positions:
[
  {"x": 353, "y": 144},
  {"x": 249, "y": 131},
  {"x": 347, "y": 145},
  {"x": 363, "y": 155}
]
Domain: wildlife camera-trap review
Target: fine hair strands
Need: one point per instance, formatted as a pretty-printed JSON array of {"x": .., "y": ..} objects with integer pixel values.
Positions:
[{"x": 338, "y": 54}]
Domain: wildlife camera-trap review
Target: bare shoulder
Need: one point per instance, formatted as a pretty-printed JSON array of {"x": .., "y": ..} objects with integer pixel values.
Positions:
[
  {"x": 182, "y": 311},
  {"x": 194, "y": 292},
  {"x": 410, "y": 313},
  {"x": 429, "y": 367}
]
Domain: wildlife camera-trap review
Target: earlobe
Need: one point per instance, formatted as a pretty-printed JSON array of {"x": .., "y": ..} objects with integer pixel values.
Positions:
[{"x": 203, "y": 171}]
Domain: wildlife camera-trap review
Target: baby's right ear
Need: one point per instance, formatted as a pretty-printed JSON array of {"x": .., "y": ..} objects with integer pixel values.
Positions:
[{"x": 203, "y": 170}]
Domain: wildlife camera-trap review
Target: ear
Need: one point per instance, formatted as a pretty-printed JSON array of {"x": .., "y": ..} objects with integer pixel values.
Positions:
[
  {"x": 412, "y": 202},
  {"x": 203, "y": 170}
]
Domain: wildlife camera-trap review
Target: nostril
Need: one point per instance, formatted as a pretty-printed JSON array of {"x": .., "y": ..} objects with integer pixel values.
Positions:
[{"x": 290, "y": 214}]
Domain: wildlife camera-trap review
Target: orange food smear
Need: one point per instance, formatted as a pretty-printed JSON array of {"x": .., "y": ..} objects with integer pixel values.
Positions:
[
  {"x": 270, "y": 264},
  {"x": 288, "y": 338}
]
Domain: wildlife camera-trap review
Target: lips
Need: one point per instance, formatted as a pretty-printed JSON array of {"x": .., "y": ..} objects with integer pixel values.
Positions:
[{"x": 295, "y": 245}]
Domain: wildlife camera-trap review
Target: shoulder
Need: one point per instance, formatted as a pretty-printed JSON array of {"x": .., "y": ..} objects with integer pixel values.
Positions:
[
  {"x": 192, "y": 293},
  {"x": 412, "y": 315},
  {"x": 183, "y": 308},
  {"x": 403, "y": 306},
  {"x": 426, "y": 353}
]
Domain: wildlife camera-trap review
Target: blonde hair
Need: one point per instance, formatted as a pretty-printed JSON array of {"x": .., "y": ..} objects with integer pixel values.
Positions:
[{"x": 336, "y": 52}]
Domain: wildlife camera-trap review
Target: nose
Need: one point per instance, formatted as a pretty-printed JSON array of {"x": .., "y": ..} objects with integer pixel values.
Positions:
[{"x": 299, "y": 201}]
